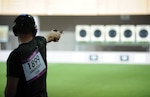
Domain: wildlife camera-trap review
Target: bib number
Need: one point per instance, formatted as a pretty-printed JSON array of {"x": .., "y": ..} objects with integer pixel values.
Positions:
[{"x": 34, "y": 66}]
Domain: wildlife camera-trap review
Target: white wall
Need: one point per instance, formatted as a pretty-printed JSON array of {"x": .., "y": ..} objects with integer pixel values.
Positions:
[{"x": 92, "y": 57}]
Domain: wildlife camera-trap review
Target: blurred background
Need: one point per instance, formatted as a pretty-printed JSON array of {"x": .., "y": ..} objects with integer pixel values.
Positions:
[
  {"x": 89, "y": 25},
  {"x": 110, "y": 37}
]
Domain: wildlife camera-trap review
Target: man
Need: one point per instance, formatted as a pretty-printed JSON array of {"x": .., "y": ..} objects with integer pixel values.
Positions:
[{"x": 27, "y": 64}]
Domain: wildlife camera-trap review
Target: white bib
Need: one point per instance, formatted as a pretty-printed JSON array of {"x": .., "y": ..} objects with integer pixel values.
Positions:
[{"x": 34, "y": 66}]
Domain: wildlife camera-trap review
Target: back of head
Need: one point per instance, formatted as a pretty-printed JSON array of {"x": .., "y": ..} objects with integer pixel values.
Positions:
[{"x": 24, "y": 24}]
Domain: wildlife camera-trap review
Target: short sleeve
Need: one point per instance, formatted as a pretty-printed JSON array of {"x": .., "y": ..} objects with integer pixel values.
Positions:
[
  {"x": 13, "y": 65},
  {"x": 41, "y": 39}
]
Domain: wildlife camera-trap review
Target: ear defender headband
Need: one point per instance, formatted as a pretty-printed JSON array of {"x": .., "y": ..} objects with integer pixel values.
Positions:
[{"x": 24, "y": 24}]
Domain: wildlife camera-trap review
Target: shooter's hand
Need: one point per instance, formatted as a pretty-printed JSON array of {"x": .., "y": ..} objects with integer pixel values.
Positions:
[
  {"x": 57, "y": 34},
  {"x": 53, "y": 35}
]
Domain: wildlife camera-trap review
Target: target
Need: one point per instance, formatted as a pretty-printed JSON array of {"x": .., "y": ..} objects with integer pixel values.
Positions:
[
  {"x": 4, "y": 33},
  {"x": 142, "y": 33},
  {"x": 127, "y": 33},
  {"x": 82, "y": 33},
  {"x": 97, "y": 33},
  {"x": 112, "y": 33}
]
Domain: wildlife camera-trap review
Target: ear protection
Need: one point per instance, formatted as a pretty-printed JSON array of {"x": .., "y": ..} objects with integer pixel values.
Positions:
[{"x": 24, "y": 24}]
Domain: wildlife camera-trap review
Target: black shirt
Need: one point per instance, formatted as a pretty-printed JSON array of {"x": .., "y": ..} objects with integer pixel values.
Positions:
[{"x": 25, "y": 63}]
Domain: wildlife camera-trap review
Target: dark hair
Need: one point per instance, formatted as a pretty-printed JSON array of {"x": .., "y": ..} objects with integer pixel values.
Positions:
[{"x": 24, "y": 24}]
